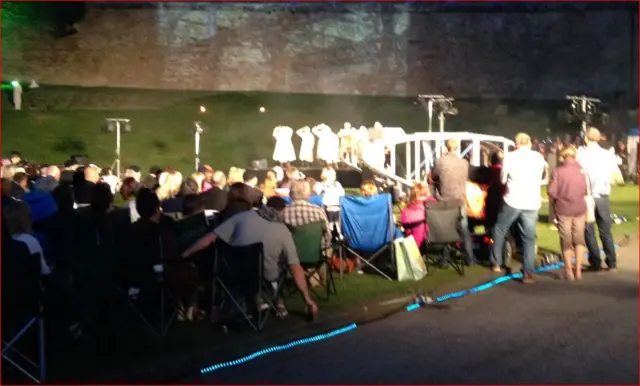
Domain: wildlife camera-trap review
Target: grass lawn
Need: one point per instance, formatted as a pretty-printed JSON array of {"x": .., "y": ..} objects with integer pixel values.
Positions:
[{"x": 68, "y": 120}]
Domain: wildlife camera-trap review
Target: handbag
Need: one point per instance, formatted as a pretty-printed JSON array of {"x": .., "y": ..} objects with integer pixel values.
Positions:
[
  {"x": 591, "y": 203},
  {"x": 409, "y": 261}
]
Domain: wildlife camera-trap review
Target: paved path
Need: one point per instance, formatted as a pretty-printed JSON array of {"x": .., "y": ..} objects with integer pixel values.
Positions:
[{"x": 552, "y": 332}]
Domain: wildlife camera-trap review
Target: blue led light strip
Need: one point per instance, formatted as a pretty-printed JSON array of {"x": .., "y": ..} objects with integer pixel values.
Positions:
[
  {"x": 272, "y": 349},
  {"x": 353, "y": 326},
  {"x": 486, "y": 286}
]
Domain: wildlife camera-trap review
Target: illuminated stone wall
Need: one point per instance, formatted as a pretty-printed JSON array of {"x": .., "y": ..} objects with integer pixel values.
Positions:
[{"x": 355, "y": 48}]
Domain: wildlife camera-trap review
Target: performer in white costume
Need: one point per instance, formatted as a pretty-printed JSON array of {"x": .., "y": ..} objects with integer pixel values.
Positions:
[
  {"x": 362, "y": 140},
  {"x": 17, "y": 95},
  {"x": 328, "y": 144},
  {"x": 306, "y": 148},
  {"x": 284, "y": 151},
  {"x": 347, "y": 143}
]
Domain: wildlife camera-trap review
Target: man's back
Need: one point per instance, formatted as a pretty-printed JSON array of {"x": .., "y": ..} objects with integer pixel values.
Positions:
[
  {"x": 249, "y": 227},
  {"x": 522, "y": 172},
  {"x": 599, "y": 165},
  {"x": 451, "y": 174}
]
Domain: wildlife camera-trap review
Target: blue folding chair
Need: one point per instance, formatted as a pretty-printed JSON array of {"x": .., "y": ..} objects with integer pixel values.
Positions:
[
  {"x": 316, "y": 200},
  {"x": 368, "y": 227}
]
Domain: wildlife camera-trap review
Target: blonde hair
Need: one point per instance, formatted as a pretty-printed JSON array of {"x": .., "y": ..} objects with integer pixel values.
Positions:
[
  {"x": 170, "y": 183},
  {"x": 593, "y": 135},
  {"x": 453, "y": 145},
  {"x": 568, "y": 152},
  {"x": 235, "y": 175},
  {"x": 9, "y": 171},
  {"x": 368, "y": 189},
  {"x": 199, "y": 178},
  {"x": 418, "y": 192},
  {"x": 522, "y": 139},
  {"x": 327, "y": 174}
]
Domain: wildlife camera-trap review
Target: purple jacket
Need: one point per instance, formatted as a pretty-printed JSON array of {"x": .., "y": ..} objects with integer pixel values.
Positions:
[{"x": 567, "y": 188}]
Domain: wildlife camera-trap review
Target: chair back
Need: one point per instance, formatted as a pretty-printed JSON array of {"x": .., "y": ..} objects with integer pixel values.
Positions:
[
  {"x": 316, "y": 200},
  {"x": 239, "y": 268},
  {"x": 443, "y": 219},
  {"x": 307, "y": 239},
  {"x": 190, "y": 229},
  {"x": 367, "y": 221}
]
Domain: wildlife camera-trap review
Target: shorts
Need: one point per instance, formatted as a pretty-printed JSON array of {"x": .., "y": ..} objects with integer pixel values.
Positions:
[{"x": 571, "y": 230}]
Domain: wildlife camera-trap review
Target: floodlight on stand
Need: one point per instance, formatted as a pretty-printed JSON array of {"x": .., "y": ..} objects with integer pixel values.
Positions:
[
  {"x": 439, "y": 104},
  {"x": 118, "y": 125},
  {"x": 198, "y": 130},
  {"x": 584, "y": 109}
]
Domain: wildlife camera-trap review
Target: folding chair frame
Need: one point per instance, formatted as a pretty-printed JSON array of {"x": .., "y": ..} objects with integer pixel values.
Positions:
[
  {"x": 262, "y": 285},
  {"x": 7, "y": 349},
  {"x": 330, "y": 285},
  {"x": 446, "y": 252},
  {"x": 163, "y": 327},
  {"x": 384, "y": 248}
]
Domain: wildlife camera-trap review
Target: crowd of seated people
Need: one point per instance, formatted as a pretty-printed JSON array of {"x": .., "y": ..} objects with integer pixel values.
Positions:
[{"x": 97, "y": 245}]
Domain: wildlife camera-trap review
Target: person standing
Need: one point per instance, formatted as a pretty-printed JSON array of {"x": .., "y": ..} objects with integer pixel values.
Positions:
[
  {"x": 522, "y": 172},
  {"x": 568, "y": 188},
  {"x": 552, "y": 163},
  {"x": 599, "y": 164}
]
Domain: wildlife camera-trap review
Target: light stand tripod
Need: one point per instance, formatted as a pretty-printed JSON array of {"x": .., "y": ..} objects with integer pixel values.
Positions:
[
  {"x": 583, "y": 107},
  {"x": 117, "y": 124},
  {"x": 198, "y": 129}
]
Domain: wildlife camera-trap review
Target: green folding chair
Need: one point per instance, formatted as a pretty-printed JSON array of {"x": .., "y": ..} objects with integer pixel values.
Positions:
[{"x": 307, "y": 239}]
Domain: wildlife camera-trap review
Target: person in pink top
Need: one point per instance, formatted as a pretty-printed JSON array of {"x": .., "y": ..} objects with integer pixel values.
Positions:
[{"x": 413, "y": 218}]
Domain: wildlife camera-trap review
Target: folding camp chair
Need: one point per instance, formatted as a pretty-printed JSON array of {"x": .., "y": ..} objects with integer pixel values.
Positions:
[
  {"x": 307, "y": 239},
  {"x": 22, "y": 311},
  {"x": 443, "y": 238},
  {"x": 238, "y": 271},
  {"x": 368, "y": 226},
  {"x": 190, "y": 229},
  {"x": 155, "y": 286}
]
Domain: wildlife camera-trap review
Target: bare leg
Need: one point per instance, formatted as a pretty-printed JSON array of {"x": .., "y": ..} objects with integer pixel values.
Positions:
[
  {"x": 580, "y": 250},
  {"x": 568, "y": 266}
]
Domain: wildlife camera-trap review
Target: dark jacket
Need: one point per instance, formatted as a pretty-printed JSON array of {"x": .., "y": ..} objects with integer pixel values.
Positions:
[
  {"x": 214, "y": 199},
  {"x": 255, "y": 197},
  {"x": 567, "y": 188},
  {"x": 83, "y": 192}
]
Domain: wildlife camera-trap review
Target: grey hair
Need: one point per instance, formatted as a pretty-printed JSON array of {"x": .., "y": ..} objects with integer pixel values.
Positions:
[{"x": 300, "y": 189}]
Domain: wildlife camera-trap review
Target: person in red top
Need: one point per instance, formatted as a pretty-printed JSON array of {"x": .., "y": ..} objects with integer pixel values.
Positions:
[
  {"x": 496, "y": 190},
  {"x": 568, "y": 188}
]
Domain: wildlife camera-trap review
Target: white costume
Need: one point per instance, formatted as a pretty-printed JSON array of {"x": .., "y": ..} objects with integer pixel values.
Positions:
[
  {"x": 362, "y": 140},
  {"x": 328, "y": 144},
  {"x": 308, "y": 141},
  {"x": 17, "y": 96},
  {"x": 347, "y": 142},
  {"x": 284, "y": 151}
]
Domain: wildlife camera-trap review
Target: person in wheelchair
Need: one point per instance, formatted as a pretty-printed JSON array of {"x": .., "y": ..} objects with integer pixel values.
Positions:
[{"x": 450, "y": 174}]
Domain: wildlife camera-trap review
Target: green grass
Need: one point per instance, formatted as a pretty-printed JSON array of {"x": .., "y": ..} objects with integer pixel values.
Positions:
[{"x": 67, "y": 120}]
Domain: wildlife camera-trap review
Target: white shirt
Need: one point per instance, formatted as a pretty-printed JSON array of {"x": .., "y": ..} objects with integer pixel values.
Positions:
[
  {"x": 34, "y": 248},
  {"x": 599, "y": 164},
  {"x": 522, "y": 172}
]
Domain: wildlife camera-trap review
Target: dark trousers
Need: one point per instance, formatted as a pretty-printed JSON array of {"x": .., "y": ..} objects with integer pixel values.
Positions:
[
  {"x": 552, "y": 213},
  {"x": 604, "y": 222}
]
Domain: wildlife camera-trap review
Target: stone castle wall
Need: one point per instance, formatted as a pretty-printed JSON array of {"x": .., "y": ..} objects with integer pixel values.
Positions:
[{"x": 350, "y": 49}]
